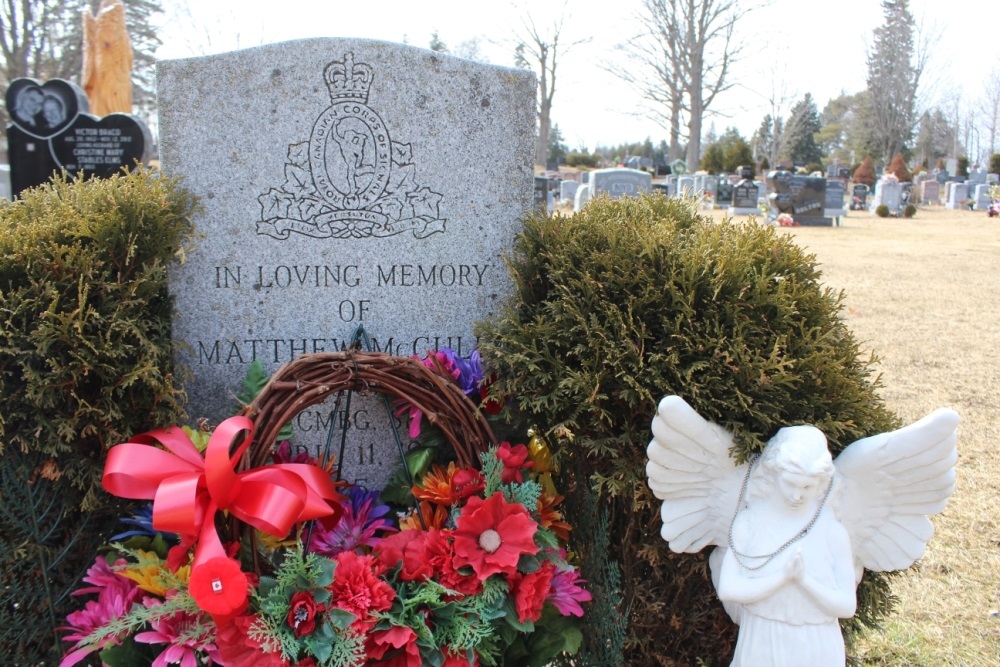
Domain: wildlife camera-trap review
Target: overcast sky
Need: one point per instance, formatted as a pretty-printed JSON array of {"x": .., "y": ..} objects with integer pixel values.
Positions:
[{"x": 792, "y": 47}]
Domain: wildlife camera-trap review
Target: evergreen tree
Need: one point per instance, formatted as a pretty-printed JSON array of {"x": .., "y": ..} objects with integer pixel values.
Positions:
[
  {"x": 727, "y": 154},
  {"x": 766, "y": 141},
  {"x": 935, "y": 136},
  {"x": 803, "y": 124},
  {"x": 437, "y": 44},
  {"x": 557, "y": 147},
  {"x": 893, "y": 79}
]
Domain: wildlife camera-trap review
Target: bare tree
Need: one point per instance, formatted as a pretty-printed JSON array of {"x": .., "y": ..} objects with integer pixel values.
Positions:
[
  {"x": 989, "y": 108},
  {"x": 541, "y": 51},
  {"x": 688, "y": 47}
]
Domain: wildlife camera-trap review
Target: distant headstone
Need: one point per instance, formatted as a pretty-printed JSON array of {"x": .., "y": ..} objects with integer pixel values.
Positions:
[
  {"x": 982, "y": 196},
  {"x": 51, "y": 130},
  {"x": 710, "y": 186},
  {"x": 834, "y": 202},
  {"x": 745, "y": 173},
  {"x": 993, "y": 179},
  {"x": 859, "y": 197},
  {"x": 584, "y": 177},
  {"x": 5, "y": 192},
  {"x": 540, "y": 197},
  {"x": 889, "y": 193},
  {"x": 567, "y": 190},
  {"x": 803, "y": 197},
  {"x": 346, "y": 211},
  {"x": 745, "y": 197},
  {"x": 930, "y": 192},
  {"x": 582, "y": 197},
  {"x": 685, "y": 186},
  {"x": 724, "y": 193},
  {"x": 620, "y": 182},
  {"x": 666, "y": 189},
  {"x": 958, "y": 195}
]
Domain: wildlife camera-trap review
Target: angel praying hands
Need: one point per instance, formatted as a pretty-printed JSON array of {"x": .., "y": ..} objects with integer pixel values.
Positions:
[{"x": 794, "y": 527}]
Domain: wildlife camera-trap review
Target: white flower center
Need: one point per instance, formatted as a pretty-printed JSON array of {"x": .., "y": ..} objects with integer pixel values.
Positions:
[{"x": 489, "y": 540}]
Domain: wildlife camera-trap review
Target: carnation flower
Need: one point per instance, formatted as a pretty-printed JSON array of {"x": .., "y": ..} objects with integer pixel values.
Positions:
[
  {"x": 407, "y": 548},
  {"x": 491, "y": 535},
  {"x": 530, "y": 591},
  {"x": 237, "y": 648},
  {"x": 358, "y": 589}
]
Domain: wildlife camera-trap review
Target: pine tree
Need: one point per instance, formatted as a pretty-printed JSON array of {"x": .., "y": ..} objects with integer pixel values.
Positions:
[
  {"x": 803, "y": 124},
  {"x": 893, "y": 79}
]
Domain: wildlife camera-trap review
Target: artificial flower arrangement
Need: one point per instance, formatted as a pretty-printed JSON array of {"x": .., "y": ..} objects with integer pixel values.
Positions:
[
  {"x": 786, "y": 220},
  {"x": 475, "y": 572}
]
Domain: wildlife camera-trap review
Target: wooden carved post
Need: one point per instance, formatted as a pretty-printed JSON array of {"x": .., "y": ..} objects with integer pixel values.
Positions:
[{"x": 107, "y": 60}]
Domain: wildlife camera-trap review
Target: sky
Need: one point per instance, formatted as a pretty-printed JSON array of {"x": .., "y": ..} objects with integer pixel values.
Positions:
[{"x": 791, "y": 47}]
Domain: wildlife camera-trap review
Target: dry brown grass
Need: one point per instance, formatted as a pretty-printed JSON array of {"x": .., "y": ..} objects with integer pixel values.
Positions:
[{"x": 923, "y": 295}]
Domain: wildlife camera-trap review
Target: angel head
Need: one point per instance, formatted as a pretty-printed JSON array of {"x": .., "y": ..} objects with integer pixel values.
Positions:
[{"x": 796, "y": 463}]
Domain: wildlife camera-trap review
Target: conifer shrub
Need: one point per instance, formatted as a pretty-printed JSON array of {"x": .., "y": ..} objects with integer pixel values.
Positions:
[
  {"x": 86, "y": 360},
  {"x": 636, "y": 298},
  {"x": 909, "y": 211},
  {"x": 865, "y": 173},
  {"x": 882, "y": 211},
  {"x": 898, "y": 167}
]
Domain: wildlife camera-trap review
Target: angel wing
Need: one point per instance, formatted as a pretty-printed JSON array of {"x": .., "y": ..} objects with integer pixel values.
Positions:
[
  {"x": 690, "y": 470},
  {"x": 891, "y": 483}
]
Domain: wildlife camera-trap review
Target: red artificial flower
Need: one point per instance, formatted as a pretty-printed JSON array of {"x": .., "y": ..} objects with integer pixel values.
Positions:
[
  {"x": 515, "y": 460},
  {"x": 437, "y": 486},
  {"x": 306, "y": 662},
  {"x": 406, "y": 547},
  {"x": 491, "y": 535},
  {"x": 237, "y": 648},
  {"x": 490, "y": 406},
  {"x": 440, "y": 553},
  {"x": 401, "y": 645},
  {"x": 468, "y": 482},
  {"x": 530, "y": 591},
  {"x": 302, "y": 611},
  {"x": 219, "y": 587},
  {"x": 358, "y": 589}
]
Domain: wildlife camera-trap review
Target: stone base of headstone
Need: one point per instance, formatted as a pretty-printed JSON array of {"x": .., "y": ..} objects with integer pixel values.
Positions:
[
  {"x": 835, "y": 214},
  {"x": 732, "y": 210},
  {"x": 814, "y": 221}
]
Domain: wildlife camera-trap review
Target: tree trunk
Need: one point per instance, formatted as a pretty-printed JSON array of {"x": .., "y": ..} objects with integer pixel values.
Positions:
[{"x": 107, "y": 60}]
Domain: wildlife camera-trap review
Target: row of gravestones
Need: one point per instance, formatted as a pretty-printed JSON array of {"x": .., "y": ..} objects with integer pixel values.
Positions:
[{"x": 51, "y": 130}]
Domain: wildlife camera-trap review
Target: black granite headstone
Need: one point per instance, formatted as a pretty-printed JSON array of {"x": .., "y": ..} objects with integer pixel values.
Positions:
[
  {"x": 859, "y": 197},
  {"x": 541, "y": 196},
  {"x": 835, "y": 190},
  {"x": 51, "y": 130},
  {"x": 745, "y": 194},
  {"x": 803, "y": 197},
  {"x": 724, "y": 193}
]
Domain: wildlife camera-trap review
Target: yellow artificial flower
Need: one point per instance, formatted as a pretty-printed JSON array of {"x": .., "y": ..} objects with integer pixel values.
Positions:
[{"x": 152, "y": 575}]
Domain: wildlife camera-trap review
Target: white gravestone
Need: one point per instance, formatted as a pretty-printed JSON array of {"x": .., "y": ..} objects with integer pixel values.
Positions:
[
  {"x": 617, "y": 183},
  {"x": 326, "y": 169},
  {"x": 567, "y": 190},
  {"x": 930, "y": 192},
  {"x": 982, "y": 197},
  {"x": 890, "y": 194},
  {"x": 957, "y": 196},
  {"x": 582, "y": 197}
]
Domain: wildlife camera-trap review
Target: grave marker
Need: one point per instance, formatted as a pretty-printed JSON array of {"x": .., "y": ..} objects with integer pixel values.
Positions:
[{"x": 330, "y": 201}]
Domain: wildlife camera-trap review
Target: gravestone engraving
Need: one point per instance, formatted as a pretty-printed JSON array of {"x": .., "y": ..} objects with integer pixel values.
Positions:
[
  {"x": 620, "y": 182},
  {"x": 957, "y": 196},
  {"x": 834, "y": 202},
  {"x": 344, "y": 212},
  {"x": 930, "y": 192},
  {"x": 51, "y": 130}
]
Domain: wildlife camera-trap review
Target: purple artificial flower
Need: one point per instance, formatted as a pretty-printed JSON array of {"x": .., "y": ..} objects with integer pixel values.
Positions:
[
  {"x": 470, "y": 371},
  {"x": 356, "y": 530},
  {"x": 142, "y": 519}
]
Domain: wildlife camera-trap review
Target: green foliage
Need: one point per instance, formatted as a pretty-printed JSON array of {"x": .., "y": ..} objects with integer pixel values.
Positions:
[
  {"x": 909, "y": 211},
  {"x": 86, "y": 361},
  {"x": 882, "y": 211},
  {"x": 581, "y": 159},
  {"x": 963, "y": 167},
  {"x": 803, "y": 124},
  {"x": 727, "y": 154},
  {"x": 994, "y": 167},
  {"x": 636, "y": 298}
]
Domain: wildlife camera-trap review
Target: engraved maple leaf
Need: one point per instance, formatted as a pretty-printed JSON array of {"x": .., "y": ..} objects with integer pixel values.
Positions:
[
  {"x": 390, "y": 206},
  {"x": 401, "y": 180},
  {"x": 298, "y": 181},
  {"x": 425, "y": 202},
  {"x": 274, "y": 204},
  {"x": 298, "y": 155},
  {"x": 402, "y": 153},
  {"x": 310, "y": 207}
]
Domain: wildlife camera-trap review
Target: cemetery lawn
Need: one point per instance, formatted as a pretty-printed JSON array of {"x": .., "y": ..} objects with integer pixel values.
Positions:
[{"x": 924, "y": 295}]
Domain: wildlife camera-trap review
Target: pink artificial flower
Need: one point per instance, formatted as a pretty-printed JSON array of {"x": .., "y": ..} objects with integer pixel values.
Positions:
[
  {"x": 186, "y": 637},
  {"x": 116, "y": 595},
  {"x": 566, "y": 594},
  {"x": 438, "y": 362}
]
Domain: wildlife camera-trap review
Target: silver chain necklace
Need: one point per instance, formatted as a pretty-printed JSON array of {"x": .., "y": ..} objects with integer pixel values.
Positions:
[{"x": 767, "y": 558}]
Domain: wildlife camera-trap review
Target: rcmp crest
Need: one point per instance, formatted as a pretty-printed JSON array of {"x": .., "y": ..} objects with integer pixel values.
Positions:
[{"x": 349, "y": 180}]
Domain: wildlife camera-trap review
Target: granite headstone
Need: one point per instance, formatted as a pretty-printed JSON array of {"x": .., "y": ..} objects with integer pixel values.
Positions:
[
  {"x": 540, "y": 196},
  {"x": 803, "y": 197},
  {"x": 326, "y": 169},
  {"x": 745, "y": 197},
  {"x": 617, "y": 183},
  {"x": 51, "y": 130},
  {"x": 930, "y": 192},
  {"x": 957, "y": 196},
  {"x": 567, "y": 190}
]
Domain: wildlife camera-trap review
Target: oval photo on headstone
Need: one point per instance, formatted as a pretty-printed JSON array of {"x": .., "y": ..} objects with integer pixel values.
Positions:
[{"x": 43, "y": 110}]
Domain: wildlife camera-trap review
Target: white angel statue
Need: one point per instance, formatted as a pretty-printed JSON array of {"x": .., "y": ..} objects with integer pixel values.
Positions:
[{"x": 795, "y": 528}]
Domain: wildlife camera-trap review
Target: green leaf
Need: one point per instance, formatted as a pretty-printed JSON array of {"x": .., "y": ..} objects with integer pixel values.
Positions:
[
  {"x": 511, "y": 617},
  {"x": 321, "y": 648},
  {"x": 527, "y": 564},
  {"x": 339, "y": 618},
  {"x": 127, "y": 654}
]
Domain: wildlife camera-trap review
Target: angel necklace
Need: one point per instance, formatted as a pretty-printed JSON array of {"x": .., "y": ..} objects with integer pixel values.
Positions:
[{"x": 767, "y": 558}]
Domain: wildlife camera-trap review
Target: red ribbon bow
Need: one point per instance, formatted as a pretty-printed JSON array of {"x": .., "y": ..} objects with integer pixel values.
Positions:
[{"x": 187, "y": 490}]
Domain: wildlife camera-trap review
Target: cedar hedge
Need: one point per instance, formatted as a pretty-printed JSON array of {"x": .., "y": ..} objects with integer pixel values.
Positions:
[
  {"x": 636, "y": 298},
  {"x": 86, "y": 361}
]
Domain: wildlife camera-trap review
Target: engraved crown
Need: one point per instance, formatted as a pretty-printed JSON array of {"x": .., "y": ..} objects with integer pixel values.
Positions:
[{"x": 347, "y": 81}]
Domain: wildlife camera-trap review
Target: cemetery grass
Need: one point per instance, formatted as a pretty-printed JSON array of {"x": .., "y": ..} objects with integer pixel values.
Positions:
[{"x": 923, "y": 295}]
